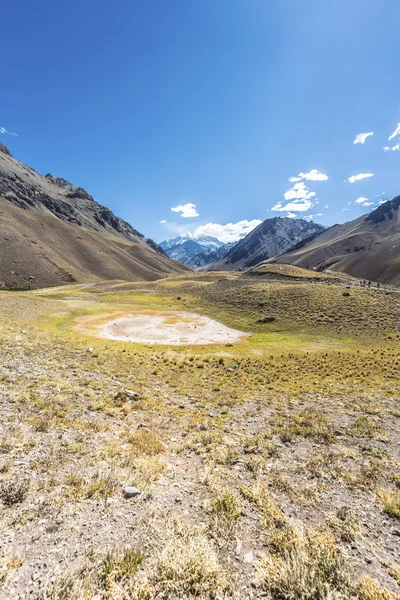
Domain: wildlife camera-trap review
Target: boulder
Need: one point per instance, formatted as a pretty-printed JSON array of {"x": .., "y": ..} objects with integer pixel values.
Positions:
[{"x": 267, "y": 319}]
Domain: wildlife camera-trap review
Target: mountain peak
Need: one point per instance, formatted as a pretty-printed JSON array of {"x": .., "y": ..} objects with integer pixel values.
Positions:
[
  {"x": 269, "y": 239},
  {"x": 4, "y": 149},
  {"x": 385, "y": 210}
]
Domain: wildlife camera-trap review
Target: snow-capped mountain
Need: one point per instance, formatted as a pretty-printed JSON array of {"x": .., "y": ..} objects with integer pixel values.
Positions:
[
  {"x": 195, "y": 251},
  {"x": 206, "y": 241}
]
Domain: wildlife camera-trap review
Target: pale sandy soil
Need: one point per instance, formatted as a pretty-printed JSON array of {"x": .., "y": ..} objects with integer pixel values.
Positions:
[{"x": 175, "y": 328}]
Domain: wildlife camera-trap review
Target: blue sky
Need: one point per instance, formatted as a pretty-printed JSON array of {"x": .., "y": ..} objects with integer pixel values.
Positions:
[{"x": 214, "y": 103}]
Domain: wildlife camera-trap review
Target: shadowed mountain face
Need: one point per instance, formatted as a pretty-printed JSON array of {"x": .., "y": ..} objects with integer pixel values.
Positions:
[
  {"x": 368, "y": 247},
  {"x": 52, "y": 232},
  {"x": 269, "y": 239}
]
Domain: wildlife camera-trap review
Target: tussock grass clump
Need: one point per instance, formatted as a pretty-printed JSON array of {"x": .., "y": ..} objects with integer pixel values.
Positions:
[
  {"x": 393, "y": 570},
  {"x": 344, "y": 525},
  {"x": 308, "y": 424},
  {"x": 188, "y": 566},
  {"x": 7, "y": 565},
  {"x": 145, "y": 443},
  {"x": 100, "y": 487},
  {"x": 391, "y": 502},
  {"x": 13, "y": 491},
  {"x": 119, "y": 566},
  {"x": 146, "y": 470},
  {"x": 226, "y": 504},
  {"x": 304, "y": 565},
  {"x": 366, "y": 427},
  {"x": 370, "y": 589},
  {"x": 110, "y": 578},
  {"x": 259, "y": 493},
  {"x": 225, "y": 514}
]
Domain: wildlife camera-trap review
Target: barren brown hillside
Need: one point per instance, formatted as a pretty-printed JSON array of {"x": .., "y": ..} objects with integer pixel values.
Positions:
[
  {"x": 52, "y": 232},
  {"x": 368, "y": 247}
]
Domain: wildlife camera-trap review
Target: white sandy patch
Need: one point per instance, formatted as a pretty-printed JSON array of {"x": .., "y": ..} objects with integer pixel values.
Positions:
[{"x": 172, "y": 328}]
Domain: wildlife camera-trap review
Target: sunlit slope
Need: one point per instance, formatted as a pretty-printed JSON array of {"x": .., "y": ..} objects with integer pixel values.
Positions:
[{"x": 368, "y": 247}]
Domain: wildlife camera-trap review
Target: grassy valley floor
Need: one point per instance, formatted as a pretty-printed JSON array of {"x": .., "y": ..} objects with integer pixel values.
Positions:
[{"x": 266, "y": 468}]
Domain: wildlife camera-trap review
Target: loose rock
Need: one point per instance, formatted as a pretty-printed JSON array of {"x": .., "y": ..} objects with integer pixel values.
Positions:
[{"x": 131, "y": 492}]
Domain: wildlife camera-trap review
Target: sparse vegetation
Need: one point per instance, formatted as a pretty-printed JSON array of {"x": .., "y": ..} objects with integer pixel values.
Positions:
[{"x": 264, "y": 461}]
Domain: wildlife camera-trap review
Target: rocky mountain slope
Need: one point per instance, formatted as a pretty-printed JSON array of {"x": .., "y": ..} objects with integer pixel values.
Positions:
[
  {"x": 196, "y": 252},
  {"x": 52, "y": 232},
  {"x": 271, "y": 238},
  {"x": 368, "y": 247}
]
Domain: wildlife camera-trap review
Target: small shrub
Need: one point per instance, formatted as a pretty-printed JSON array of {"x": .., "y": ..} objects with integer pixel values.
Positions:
[{"x": 13, "y": 491}]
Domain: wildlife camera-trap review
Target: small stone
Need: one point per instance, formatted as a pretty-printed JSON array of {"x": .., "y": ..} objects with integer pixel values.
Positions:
[
  {"x": 248, "y": 558},
  {"x": 255, "y": 583},
  {"x": 131, "y": 394},
  {"x": 125, "y": 396},
  {"x": 90, "y": 350},
  {"x": 394, "y": 531},
  {"x": 24, "y": 331},
  {"x": 131, "y": 492}
]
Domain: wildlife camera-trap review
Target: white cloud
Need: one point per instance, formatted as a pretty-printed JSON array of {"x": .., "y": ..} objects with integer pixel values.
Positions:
[
  {"x": 326, "y": 206},
  {"x": 231, "y": 232},
  {"x": 393, "y": 148},
  {"x": 299, "y": 191},
  {"x": 382, "y": 202},
  {"x": 3, "y": 131},
  {"x": 367, "y": 203},
  {"x": 344, "y": 209},
  {"x": 395, "y": 133},
  {"x": 361, "y": 138},
  {"x": 297, "y": 205},
  {"x": 359, "y": 176},
  {"x": 291, "y": 215},
  {"x": 301, "y": 197},
  {"x": 187, "y": 210},
  {"x": 162, "y": 222},
  {"x": 312, "y": 175},
  {"x": 361, "y": 200}
]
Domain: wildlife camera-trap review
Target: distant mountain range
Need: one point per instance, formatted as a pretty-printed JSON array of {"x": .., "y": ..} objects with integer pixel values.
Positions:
[
  {"x": 197, "y": 252},
  {"x": 269, "y": 239},
  {"x": 368, "y": 247},
  {"x": 52, "y": 232}
]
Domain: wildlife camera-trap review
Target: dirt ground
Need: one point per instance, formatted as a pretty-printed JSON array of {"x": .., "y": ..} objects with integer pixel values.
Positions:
[{"x": 263, "y": 469}]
